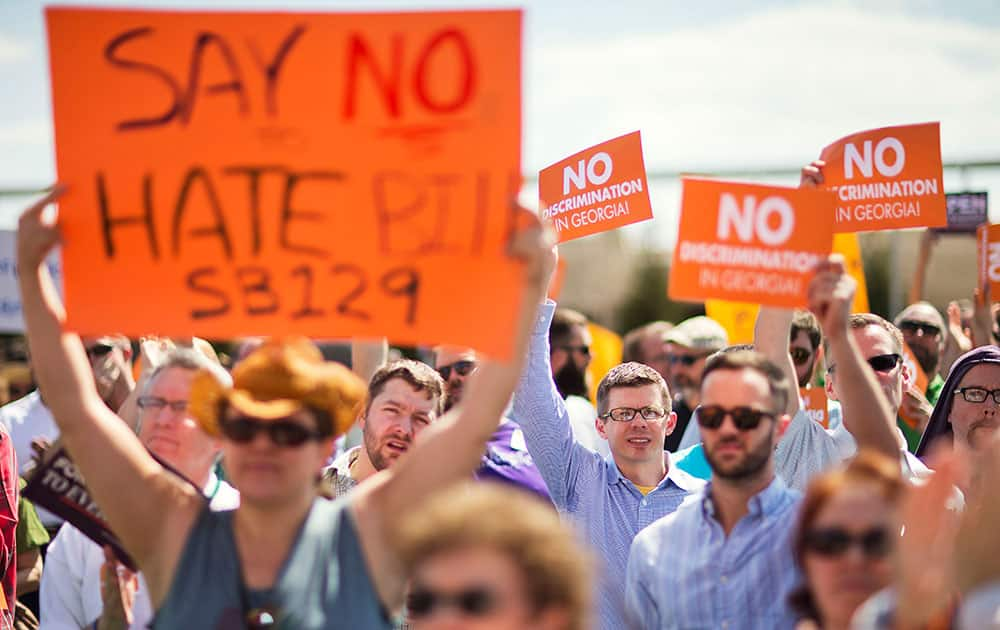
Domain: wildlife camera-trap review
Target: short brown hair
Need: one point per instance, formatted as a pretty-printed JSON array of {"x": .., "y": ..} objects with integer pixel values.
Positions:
[
  {"x": 858, "y": 321},
  {"x": 630, "y": 374},
  {"x": 632, "y": 342},
  {"x": 805, "y": 321},
  {"x": 563, "y": 321},
  {"x": 868, "y": 467},
  {"x": 555, "y": 568},
  {"x": 420, "y": 376},
  {"x": 752, "y": 360}
]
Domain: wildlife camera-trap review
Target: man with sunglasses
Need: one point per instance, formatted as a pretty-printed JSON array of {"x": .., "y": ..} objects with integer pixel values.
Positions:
[
  {"x": 803, "y": 345},
  {"x": 608, "y": 499},
  {"x": 71, "y": 582},
  {"x": 923, "y": 332},
  {"x": 689, "y": 344}
]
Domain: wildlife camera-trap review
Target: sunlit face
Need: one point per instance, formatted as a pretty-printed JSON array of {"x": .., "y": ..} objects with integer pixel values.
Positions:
[
  {"x": 801, "y": 345},
  {"x": 107, "y": 360},
  {"x": 173, "y": 434},
  {"x": 974, "y": 424},
  {"x": 686, "y": 367},
  {"x": 922, "y": 332},
  {"x": 733, "y": 453},
  {"x": 842, "y": 582},
  {"x": 656, "y": 354},
  {"x": 639, "y": 440},
  {"x": 269, "y": 475},
  {"x": 453, "y": 358},
  {"x": 486, "y": 575},
  {"x": 874, "y": 341},
  {"x": 393, "y": 420}
]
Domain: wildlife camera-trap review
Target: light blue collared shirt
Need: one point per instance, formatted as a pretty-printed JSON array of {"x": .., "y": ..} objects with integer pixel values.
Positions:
[
  {"x": 684, "y": 572},
  {"x": 606, "y": 508}
]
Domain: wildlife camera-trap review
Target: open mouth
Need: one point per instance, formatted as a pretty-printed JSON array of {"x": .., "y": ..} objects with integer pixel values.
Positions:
[
  {"x": 639, "y": 441},
  {"x": 397, "y": 446}
]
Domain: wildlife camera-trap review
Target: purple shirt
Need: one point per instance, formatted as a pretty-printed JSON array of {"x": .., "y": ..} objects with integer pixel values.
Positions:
[{"x": 507, "y": 460}]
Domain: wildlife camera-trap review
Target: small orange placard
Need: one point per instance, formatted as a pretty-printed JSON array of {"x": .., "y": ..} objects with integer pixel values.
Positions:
[
  {"x": 240, "y": 174},
  {"x": 814, "y": 404},
  {"x": 596, "y": 190},
  {"x": 749, "y": 243},
  {"x": 988, "y": 258},
  {"x": 888, "y": 178},
  {"x": 918, "y": 382}
]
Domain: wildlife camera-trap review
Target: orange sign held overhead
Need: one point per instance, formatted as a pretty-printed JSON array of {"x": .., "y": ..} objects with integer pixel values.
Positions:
[
  {"x": 988, "y": 258},
  {"x": 272, "y": 173},
  {"x": 596, "y": 190},
  {"x": 814, "y": 403},
  {"x": 888, "y": 178},
  {"x": 749, "y": 243}
]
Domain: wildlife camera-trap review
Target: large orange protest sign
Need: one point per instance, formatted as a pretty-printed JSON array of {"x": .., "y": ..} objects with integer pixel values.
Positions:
[
  {"x": 988, "y": 258},
  {"x": 749, "y": 243},
  {"x": 599, "y": 189},
  {"x": 274, "y": 173},
  {"x": 888, "y": 178}
]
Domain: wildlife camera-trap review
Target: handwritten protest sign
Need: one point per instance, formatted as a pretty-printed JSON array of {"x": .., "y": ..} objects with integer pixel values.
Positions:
[
  {"x": 11, "y": 319},
  {"x": 988, "y": 258},
  {"x": 815, "y": 405},
  {"x": 599, "y": 189},
  {"x": 58, "y": 486},
  {"x": 888, "y": 178},
  {"x": 333, "y": 175},
  {"x": 749, "y": 243}
]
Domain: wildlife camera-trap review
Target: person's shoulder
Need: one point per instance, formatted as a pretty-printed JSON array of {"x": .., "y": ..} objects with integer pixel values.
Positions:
[{"x": 658, "y": 534}]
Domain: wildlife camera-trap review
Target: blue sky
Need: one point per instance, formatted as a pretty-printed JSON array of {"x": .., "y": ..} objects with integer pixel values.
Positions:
[{"x": 718, "y": 85}]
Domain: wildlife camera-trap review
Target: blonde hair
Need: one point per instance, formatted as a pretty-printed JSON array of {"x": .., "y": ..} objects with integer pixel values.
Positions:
[{"x": 555, "y": 568}]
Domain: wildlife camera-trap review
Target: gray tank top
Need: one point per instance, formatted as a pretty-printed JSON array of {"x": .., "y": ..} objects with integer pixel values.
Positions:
[{"x": 324, "y": 582}]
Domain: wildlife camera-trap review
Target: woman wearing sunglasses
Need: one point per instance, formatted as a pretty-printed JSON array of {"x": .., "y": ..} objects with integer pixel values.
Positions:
[
  {"x": 848, "y": 525},
  {"x": 284, "y": 558},
  {"x": 472, "y": 570}
]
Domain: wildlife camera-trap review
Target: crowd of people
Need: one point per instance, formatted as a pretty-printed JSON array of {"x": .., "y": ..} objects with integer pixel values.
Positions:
[{"x": 694, "y": 491}]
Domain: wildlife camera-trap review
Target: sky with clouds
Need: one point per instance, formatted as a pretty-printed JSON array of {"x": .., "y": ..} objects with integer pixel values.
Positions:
[{"x": 731, "y": 86}]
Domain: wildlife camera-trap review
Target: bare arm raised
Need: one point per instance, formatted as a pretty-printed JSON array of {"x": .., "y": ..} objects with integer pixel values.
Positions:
[
  {"x": 450, "y": 450},
  {"x": 150, "y": 509}
]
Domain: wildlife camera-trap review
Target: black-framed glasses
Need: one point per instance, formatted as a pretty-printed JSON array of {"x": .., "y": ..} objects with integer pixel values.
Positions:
[
  {"x": 462, "y": 368},
  {"x": 975, "y": 394},
  {"x": 687, "y": 360},
  {"x": 155, "y": 403},
  {"x": 885, "y": 362},
  {"x": 280, "y": 432},
  {"x": 582, "y": 349},
  {"x": 627, "y": 414},
  {"x": 477, "y": 601},
  {"x": 912, "y": 327},
  {"x": 98, "y": 350},
  {"x": 745, "y": 418},
  {"x": 834, "y": 541},
  {"x": 800, "y": 356}
]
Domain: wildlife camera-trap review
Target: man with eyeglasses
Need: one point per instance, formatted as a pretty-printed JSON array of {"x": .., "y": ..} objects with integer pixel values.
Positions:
[
  {"x": 689, "y": 344},
  {"x": 608, "y": 499},
  {"x": 923, "y": 332},
  {"x": 72, "y": 581},
  {"x": 30, "y": 424}
]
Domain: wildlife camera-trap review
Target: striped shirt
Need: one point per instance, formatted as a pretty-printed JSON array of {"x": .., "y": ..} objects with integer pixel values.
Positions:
[
  {"x": 606, "y": 508},
  {"x": 685, "y": 573}
]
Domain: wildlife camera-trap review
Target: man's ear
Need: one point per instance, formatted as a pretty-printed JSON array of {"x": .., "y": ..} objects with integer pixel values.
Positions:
[
  {"x": 783, "y": 421},
  {"x": 828, "y": 387},
  {"x": 904, "y": 371},
  {"x": 599, "y": 423},
  {"x": 670, "y": 424}
]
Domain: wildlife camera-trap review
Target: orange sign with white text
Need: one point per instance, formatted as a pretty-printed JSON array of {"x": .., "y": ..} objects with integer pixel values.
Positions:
[
  {"x": 815, "y": 405},
  {"x": 322, "y": 174},
  {"x": 749, "y": 243},
  {"x": 596, "y": 190},
  {"x": 888, "y": 178},
  {"x": 988, "y": 258}
]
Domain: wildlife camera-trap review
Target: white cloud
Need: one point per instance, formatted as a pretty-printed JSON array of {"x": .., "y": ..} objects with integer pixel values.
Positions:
[{"x": 767, "y": 90}]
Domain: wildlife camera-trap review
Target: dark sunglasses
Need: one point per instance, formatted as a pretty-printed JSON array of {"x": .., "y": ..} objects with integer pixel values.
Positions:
[
  {"x": 462, "y": 368},
  {"x": 911, "y": 327},
  {"x": 584, "y": 350},
  {"x": 472, "y": 602},
  {"x": 281, "y": 432},
  {"x": 885, "y": 362},
  {"x": 833, "y": 541},
  {"x": 687, "y": 360},
  {"x": 745, "y": 418},
  {"x": 98, "y": 350},
  {"x": 800, "y": 356}
]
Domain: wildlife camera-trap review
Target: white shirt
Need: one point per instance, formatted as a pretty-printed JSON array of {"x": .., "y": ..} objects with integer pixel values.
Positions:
[
  {"x": 25, "y": 419},
  {"x": 581, "y": 421},
  {"x": 70, "y": 597}
]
